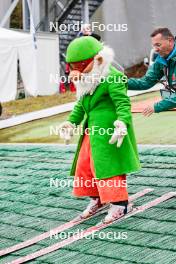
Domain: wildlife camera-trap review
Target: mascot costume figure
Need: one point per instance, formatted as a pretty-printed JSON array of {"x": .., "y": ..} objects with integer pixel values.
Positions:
[{"x": 107, "y": 148}]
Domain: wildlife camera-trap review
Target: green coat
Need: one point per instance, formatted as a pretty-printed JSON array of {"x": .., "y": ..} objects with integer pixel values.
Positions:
[
  {"x": 108, "y": 103},
  {"x": 153, "y": 75}
]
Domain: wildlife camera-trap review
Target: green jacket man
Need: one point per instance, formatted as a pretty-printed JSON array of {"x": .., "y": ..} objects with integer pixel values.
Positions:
[{"x": 163, "y": 43}]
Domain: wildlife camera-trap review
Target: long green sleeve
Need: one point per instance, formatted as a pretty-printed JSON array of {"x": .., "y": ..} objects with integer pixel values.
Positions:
[
  {"x": 166, "y": 104},
  {"x": 152, "y": 76},
  {"x": 77, "y": 114},
  {"x": 118, "y": 94}
]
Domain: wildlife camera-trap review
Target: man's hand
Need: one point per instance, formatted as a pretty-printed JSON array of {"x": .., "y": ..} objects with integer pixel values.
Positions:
[
  {"x": 66, "y": 131},
  {"x": 120, "y": 132},
  {"x": 148, "y": 111}
]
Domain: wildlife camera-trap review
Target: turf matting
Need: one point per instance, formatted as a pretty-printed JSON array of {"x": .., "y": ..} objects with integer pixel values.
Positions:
[{"x": 30, "y": 205}]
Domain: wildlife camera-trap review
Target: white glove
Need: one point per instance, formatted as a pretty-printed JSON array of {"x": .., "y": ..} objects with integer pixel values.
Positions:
[
  {"x": 120, "y": 131},
  {"x": 66, "y": 131}
]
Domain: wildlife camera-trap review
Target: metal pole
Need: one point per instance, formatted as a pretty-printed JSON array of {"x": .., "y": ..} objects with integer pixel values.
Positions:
[
  {"x": 26, "y": 16},
  {"x": 36, "y": 11},
  {"x": 46, "y": 16},
  {"x": 85, "y": 11},
  {"x": 9, "y": 12}
]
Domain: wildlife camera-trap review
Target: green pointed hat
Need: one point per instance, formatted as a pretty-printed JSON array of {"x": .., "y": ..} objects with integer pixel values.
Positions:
[{"x": 83, "y": 48}]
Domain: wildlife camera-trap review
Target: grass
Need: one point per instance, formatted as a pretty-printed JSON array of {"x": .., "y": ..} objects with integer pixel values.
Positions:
[
  {"x": 33, "y": 132},
  {"x": 146, "y": 96},
  {"x": 152, "y": 130},
  {"x": 157, "y": 129},
  {"x": 32, "y": 104}
]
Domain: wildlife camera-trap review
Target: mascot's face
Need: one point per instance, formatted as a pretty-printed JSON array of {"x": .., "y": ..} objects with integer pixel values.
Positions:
[
  {"x": 86, "y": 75},
  {"x": 77, "y": 69}
]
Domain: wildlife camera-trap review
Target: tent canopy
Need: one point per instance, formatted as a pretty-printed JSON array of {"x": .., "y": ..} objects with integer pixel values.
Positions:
[
  {"x": 10, "y": 37},
  {"x": 13, "y": 46}
]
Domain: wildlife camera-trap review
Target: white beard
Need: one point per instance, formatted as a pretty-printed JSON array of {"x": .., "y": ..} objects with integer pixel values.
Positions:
[{"x": 90, "y": 81}]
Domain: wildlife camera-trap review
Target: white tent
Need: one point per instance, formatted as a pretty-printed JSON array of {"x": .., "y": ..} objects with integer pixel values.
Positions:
[{"x": 14, "y": 46}]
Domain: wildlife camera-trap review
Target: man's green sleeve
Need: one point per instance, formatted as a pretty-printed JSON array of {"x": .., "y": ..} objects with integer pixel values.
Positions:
[
  {"x": 166, "y": 104},
  {"x": 152, "y": 76}
]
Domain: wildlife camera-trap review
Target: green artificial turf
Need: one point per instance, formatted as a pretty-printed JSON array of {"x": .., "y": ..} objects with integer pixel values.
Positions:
[{"x": 30, "y": 205}]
